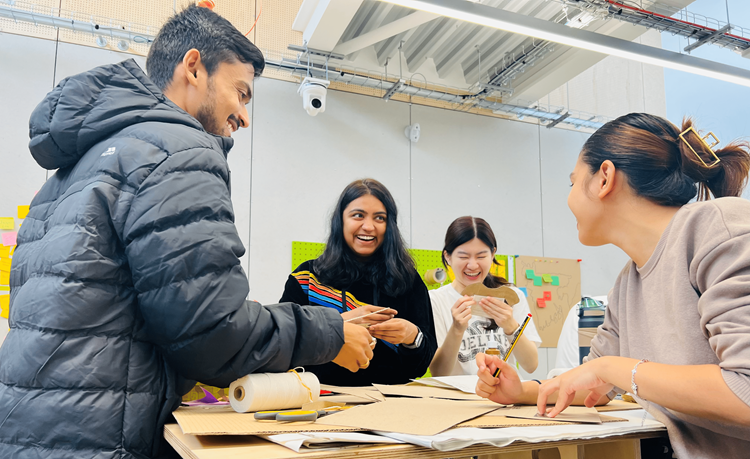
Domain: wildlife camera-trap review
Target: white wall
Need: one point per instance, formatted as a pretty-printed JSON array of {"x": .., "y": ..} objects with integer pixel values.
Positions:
[{"x": 289, "y": 168}]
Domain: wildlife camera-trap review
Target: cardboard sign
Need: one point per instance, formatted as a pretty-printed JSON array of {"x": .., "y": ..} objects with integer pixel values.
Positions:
[{"x": 553, "y": 286}]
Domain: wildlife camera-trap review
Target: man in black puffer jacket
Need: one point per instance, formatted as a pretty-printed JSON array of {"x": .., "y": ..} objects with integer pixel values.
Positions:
[{"x": 126, "y": 284}]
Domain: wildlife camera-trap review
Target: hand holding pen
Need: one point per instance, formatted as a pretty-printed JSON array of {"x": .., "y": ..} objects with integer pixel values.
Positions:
[{"x": 499, "y": 381}]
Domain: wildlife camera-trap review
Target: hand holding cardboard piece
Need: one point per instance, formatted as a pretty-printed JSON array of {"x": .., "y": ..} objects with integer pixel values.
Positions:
[{"x": 480, "y": 289}]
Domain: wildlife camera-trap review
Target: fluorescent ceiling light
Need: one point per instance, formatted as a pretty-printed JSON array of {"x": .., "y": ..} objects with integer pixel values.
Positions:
[{"x": 560, "y": 33}]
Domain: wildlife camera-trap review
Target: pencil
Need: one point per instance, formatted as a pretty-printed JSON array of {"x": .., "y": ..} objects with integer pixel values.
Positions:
[{"x": 513, "y": 343}]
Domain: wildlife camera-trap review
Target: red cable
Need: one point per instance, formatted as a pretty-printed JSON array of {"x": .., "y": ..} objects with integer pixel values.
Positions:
[
  {"x": 260, "y": 11},
  {"x": 708, "y": 29}
]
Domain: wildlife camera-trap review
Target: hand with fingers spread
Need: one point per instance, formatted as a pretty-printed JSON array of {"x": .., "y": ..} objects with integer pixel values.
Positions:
[
  {"x": 506, "y": 388},
  {"x": 395, "y": 331},
  {"x": 377, "y": 314},
  {"x": 461, "y": 312},
  {"x": 582, "y": 378},
  {"x": 356, "y": 352},
  {"x": 501, "y": 312}
]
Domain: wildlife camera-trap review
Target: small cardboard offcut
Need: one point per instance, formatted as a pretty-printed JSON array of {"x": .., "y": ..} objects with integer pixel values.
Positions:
[
  {"x": 617, "y": 405},
  {"x": 415, "y": 416},
  {"x": 480, "y": 289},
  {"x": 426, "y": 392},
  {"x": 575, "y": 414},
  {"x": 223, "y": 420},
  {"x": 492, "y": 420}
]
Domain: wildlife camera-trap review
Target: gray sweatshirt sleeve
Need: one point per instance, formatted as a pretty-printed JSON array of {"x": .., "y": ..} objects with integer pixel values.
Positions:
[
  {"x": 607, "y": 339},
  {"x": 722, "y": 274}
]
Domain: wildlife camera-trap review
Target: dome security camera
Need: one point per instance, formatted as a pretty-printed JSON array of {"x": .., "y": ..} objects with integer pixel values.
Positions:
[{"x": 313, "y": 92}]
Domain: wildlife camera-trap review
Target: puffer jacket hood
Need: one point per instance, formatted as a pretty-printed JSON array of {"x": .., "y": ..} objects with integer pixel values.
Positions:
[{"x": 89, "y": 107}]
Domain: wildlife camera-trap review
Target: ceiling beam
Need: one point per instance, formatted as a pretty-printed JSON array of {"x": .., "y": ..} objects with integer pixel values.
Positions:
[
  {"x": 328, "y": 22},
  {"x": 389, "y": 30}
]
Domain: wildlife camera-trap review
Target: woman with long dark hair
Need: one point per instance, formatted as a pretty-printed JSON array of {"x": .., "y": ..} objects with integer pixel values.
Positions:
[
  {"x": 676, "y": 332},
  {"x": 469, "y": 250},
  {"x": 367, "y": 275}
]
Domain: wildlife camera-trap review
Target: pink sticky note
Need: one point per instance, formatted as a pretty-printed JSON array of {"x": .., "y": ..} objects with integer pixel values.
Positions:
[
  {"x": 9, "y": 238},
  {"x": 547, "y": 296},
  {"x": 541, "y": 303}
]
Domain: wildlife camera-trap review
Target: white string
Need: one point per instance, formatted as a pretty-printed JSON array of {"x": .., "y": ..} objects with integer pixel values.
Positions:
[
  {"x": 359, "y": 317},
  {"x": 273, "y": 391}
]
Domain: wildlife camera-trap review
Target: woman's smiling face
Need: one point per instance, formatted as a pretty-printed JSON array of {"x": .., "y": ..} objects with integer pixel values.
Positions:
[
  {"x": 471, "y": 262},
  {"x": 365, "y": 222}
]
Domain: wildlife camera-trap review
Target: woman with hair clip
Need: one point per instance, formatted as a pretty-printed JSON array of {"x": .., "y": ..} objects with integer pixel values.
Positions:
[
  {"x": 676, "y": 332},
  {"x": 469, "y": 250},
  {"x": 367, "y": 275}
]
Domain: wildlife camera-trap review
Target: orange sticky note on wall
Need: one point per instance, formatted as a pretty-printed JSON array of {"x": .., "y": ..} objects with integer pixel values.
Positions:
[
  {"x": 7, "y": 223},
  {"x": 5, "y": 264},
  {"x": 23, "y": 211},
  {"x": 4, "y": 278},
  {"x": 4, "y": 306}
]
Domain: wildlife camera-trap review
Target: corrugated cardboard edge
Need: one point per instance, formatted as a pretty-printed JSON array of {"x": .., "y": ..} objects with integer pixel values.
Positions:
[
  {"x": 225, "y": 421},
  {"x": 503, "y": 421}
]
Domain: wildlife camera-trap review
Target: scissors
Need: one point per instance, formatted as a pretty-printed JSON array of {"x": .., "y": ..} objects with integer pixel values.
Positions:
[{"x": 294, "y": 415}]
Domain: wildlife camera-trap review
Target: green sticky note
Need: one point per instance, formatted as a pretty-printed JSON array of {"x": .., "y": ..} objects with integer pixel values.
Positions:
[
  {"x": 529, "y": 274},
  {"x": 546, "y": 278},
  {"x": 7, "y": 223},
  {"x": 555, "y": 280},
  {"x": 537, "y": 281}
]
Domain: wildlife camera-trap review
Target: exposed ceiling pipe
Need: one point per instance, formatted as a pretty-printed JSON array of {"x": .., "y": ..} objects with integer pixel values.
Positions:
[
  {"x": 11, "y": 11},
  {"x": 341, "y": 76}
]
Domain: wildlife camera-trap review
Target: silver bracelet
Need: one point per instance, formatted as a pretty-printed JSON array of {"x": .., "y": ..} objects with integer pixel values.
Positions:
[{"x": 633, "y": 385}]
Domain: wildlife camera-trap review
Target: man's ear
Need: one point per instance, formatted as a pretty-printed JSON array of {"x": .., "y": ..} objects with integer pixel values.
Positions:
[
  {"x": 193, "y": 66},
  {"x": 606, "y": 179}
]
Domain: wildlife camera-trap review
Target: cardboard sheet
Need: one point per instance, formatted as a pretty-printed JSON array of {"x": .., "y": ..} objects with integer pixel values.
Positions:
[
  {"x": 617, "y": 405},
  {"x": 415, "y": 416},
  {"x": 201, "y": 420},
  {"x": 346, "y": 399},
  {"x": 365, "y": 392},
  {"x": 327, "y": 441},
  {"x": 426, "y": 392},
  {"x": 464, "y": 383},
  {"x": 495, "y": 422},
  {"x": 576, "y": 414}
]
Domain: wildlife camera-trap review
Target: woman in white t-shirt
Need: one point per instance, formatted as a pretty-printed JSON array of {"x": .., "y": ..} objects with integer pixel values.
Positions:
[{"x": 469, "y": 250}]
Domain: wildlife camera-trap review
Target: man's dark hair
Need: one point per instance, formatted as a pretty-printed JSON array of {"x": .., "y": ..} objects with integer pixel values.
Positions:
[{"x": 213, "y": 36}]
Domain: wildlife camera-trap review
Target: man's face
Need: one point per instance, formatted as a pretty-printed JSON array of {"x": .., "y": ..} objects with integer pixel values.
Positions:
[{"x": 222, "y": 108}]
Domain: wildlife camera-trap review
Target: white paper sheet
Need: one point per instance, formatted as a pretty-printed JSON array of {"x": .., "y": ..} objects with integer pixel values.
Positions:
[
  {"x": 464, "y": 383},
  {"x": 454, "y": 439},
  {"x": 316, "y": 441}
]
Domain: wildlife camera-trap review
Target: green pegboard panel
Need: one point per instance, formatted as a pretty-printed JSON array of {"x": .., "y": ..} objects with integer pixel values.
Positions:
[
  {"x": 303, "y": 251},
  {"x": 425, "y": 260}
]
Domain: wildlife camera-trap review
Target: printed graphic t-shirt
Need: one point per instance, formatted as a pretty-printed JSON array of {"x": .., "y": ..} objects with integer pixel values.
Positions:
[{"x": 476, "y": 335}]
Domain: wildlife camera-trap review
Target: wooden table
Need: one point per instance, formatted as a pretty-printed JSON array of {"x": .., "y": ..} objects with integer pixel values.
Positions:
[{"x": 249, "y": 446}]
